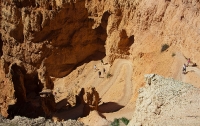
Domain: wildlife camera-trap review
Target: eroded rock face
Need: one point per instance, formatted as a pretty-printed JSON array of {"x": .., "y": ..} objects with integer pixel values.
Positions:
[
  {"x": 132, "y": 21},
  {"x": 166, "y": 101},
  {"x": 44, "y": 78},
  {"x": 58, "y": 31},
  {"x": 34, "y": 30},
  {"x": 66, "y": 32}
]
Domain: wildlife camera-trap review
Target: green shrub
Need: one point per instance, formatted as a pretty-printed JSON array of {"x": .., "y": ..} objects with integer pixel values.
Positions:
[
  {"x": 109, "y": 75},
  {"x": 164, "y": 47},
  {"x": 173, "y": 54},
  {"x": 125, "y": 120},
  {"x": 115, "y": 122}
]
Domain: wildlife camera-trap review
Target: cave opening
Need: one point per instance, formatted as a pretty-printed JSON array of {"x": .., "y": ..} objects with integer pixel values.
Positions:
[
  {"x": 26, "y": 94},
  {"x": 30, "y": 103},
  {"x": 25, "y": 3}
]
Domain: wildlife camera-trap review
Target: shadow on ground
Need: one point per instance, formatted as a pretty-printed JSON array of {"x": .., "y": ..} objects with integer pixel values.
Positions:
[
  {"x": 77, "y": 111},
  {"x": 63, "y": 104},
  {"x": 72, "y": 113},
  {"x": 109, "y": 107}
]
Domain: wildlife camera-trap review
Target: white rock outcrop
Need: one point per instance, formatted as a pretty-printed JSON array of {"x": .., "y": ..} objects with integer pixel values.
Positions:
[{"x": 166, "y": 102}]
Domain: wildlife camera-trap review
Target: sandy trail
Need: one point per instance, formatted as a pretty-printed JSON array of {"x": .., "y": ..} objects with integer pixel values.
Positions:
[
  {"x": 116, "y": 92},
  {"x": 194, "y": 69},
  {"x": 117, "y": 67},
  {"x": 104, "y": 84},
  {"x": 120, "y": 69}
]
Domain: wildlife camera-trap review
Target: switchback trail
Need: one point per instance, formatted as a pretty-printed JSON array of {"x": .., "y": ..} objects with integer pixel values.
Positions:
[{"x": 119, "y": 66}]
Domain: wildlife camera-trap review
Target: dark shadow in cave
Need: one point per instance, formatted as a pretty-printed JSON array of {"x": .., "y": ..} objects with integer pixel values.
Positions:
[
  {"x": 101, "y": 39},
  {"x": 26, "y": 109},
  {"x": 26, "y": 93},
  {"x": 17, "y": 74},
  {"x": 25, "y": 3},
  {"x": 62, "y": 105},
  {"x": 72, "y": 113}
]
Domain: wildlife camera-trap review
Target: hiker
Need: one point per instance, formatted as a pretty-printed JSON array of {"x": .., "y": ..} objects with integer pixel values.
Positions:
[
  {"x": 95, "y": 67},
  {"x": 99, "y": 74},
  {"x": 102, "y": 62},
  {"x": 104, "y": 70},
  {"x": 184, "y": 68},
  {"x": 188, "y": 62}
]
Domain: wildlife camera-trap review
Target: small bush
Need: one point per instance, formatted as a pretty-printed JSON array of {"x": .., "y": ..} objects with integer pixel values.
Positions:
[
  {"x": 164, "y": 47},
  {"x": 173, "y": 54},
  {"x": 109, "y": 75},
  {"x": 125, "y": 120},
  {"x": 115, "y": 123}
]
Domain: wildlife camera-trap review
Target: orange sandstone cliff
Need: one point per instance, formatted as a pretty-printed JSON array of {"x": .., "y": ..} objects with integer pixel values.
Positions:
[{"x": 42, "y": 39}]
